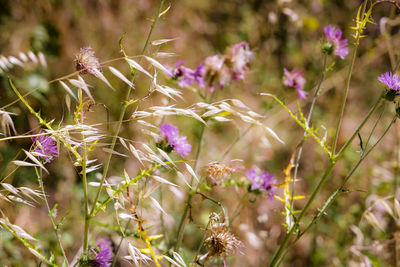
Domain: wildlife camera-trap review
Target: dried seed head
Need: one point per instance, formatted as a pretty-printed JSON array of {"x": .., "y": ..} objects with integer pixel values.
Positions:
[
  {"x": 221, "y": 242},
  {"x": 86, "y": 62},
  {"x": 218, "y": 172}
]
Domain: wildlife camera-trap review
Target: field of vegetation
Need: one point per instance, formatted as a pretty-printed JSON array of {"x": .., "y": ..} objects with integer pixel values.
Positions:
[{"x": 199, "y": 133}]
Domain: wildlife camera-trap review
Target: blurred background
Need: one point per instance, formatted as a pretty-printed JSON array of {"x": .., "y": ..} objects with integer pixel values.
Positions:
[{"x": 281, "y": 34}]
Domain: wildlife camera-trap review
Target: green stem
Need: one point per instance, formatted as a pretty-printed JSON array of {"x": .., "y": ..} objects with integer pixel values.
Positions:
[
  {"x": 120, "y": 243},
  {"x": 348, "y": 79},
  {"x": 122, "y": 114},
  {"x": 55, "y": 228},
  {"x": 314, "y": 100},
  {"x": 333, "y": 197},
  {"x": 277, "y": 258},
  {"x": 85, "y": 194}
]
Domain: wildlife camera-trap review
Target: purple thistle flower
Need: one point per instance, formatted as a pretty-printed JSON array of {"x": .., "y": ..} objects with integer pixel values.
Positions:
[
  {"x": 199, "y": 74},
  {"x": 333, "y": 36},
  {"x": 178, "y": 142},
  {"x": 296, "y": 80},
  {"x": 46, "y": 146},
  {"x": 390, "y": 80},
  {"x": 105, "y": 256},
  {"x": 86, "y": 62},
  {"x": 182, "y": 74},
  {"x": 265, "y": 181}
]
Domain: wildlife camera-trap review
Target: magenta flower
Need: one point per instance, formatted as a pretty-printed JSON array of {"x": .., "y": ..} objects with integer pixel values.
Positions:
[
  {"x": 296, "y": 80},
  {"x": 46, "y": 146},
  {"x": 178, "y": 142},
  {"x": 264, "y": 181},
  {"x": 333, "y": 36},
  {"x": 182, "y": 74},
  {"x": 390, "y": 80},
  {"x": 104, "y": 256}
]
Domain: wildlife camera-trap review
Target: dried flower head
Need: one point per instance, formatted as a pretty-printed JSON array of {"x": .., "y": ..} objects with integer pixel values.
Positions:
[
  {"x": 46, "y": 146},
  {"x": 6, "y": 122},
  {"x": 391, "y": 80},
  {"x": 333, "y": 36},
  {"x": 262, "y": 181},
  {"x": 178, "y": 142},
  {"x": 220, "y": 241},
  {"x": 218, "y": 172},
  {"x": 295, "y": 79},
  {"x": 86, "y": 62},
  {"x": 104, "y": 255}
]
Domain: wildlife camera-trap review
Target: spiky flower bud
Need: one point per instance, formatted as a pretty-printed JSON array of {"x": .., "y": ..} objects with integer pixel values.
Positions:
[{"x": 86, "y": 62}]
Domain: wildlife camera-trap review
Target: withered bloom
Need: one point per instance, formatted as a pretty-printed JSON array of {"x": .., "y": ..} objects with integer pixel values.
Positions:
[
  {"x": 86, "y": 62},
  {"x": 220, "y": 241},
  {"x": 218, "y": 172}
]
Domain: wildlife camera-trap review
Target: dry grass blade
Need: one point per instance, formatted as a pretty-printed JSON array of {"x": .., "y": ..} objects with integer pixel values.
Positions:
[{"x": 121, "y": 76}]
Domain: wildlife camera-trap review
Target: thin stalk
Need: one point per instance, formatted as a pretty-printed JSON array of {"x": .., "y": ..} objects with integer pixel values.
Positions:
[
  {"x": 348, "y": 79},
  {"x": 277, "y": 257},
  {"x": 55, "y": 228},
  {"x": 85, "y": 195},
  {"x": 123, "y": 110},
  {"x": 300, "y": 151},
  {"x": 182, "y": 222},
  {"x": 348, "y": 142},
  {"x": 120, "y": 243}
]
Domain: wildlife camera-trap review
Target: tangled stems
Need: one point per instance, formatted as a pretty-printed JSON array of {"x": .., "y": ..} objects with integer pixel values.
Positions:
[
  {"x": 333, "y": 160},
  {"x": 182, "y": 222},
  {"x": 127, "y": 103},
  {"x": 341, "y": 189}
]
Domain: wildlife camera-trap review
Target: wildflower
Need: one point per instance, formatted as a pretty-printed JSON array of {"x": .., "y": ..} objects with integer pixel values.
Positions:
[
  {"x": 239, "y": 56},
  {"x": 390, "y": 80},
  {"x": 199, "y": 74},
  {"x": 265, "y": 181},
  {"x": 185, "y": 76},
  {"x": 178, "y": 142},
  {"x": 296, "y": 80},
  {"x": 86, "y": 62},
  {"x": 216, "y": 72},
  {"x": 104, "y": 256},
  {"x": 333, "y": 36},
  {"x": 46, "y": 146}
]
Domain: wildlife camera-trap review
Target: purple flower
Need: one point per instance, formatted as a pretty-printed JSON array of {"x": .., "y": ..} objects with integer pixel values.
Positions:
[
  {"x": 182, "y": 74},
  {"x": 296, "y": 80},
  {"x": 264, "y": 181},
  {"x": 239, "y": 56},
  {"x": 199, "y": 74},
  {"x": 46, "y": 146},
  {"x": 333, "y": 36},
  {"x": 105, "y": 256},
  {"x": 178, "y": 142},
  {"x": 390, "y": 80},
  {"x": 86, "y": 62}
]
